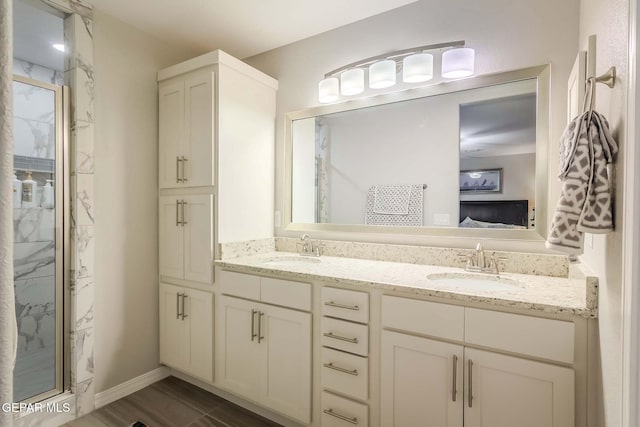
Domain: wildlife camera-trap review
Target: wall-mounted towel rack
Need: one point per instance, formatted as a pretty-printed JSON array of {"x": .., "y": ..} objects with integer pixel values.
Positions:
[
  {"x": 424, "y": 186},
  {"x": 608, "y": 78}
]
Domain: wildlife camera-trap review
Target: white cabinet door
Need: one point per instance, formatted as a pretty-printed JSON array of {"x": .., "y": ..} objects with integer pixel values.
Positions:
[
  {"x": 238, "y": 353},
  {"x": 417, "y": 382},
  {"x": 171, "y": 238},
  {"x": 508, "y": 391},
  {"x": 286, "y": 370},
  {"x": 198, "y": 238},
  {"x": 198, "y": 138},
  {"x": 174, "y": 337},
  {"x": 198, "y": 311},
  {"x": 170, "y": 133}
]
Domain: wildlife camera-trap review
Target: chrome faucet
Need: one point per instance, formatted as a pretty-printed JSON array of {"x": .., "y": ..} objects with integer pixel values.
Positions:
[
  {"x": 479, "y": 263},
  {"x": 306, "y": 247}
]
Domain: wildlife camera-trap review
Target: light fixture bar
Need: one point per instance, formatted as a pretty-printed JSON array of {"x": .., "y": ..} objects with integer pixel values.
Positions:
[{"x": 396, "y": 54}]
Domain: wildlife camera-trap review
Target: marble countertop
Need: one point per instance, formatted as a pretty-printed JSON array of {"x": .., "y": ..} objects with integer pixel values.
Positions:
[{"x": 577, "y": 297}]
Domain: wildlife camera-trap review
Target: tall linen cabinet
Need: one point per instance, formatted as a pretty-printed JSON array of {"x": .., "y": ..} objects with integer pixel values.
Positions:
[{"x": 216, "y": 184}]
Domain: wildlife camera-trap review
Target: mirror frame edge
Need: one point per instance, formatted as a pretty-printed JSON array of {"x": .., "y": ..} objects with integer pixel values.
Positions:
[{"x": 542, "y": 75}]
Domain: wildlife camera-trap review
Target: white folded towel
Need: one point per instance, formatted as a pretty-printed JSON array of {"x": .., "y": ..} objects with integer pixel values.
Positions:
[
  {"x": 586, "y": 149},
  {"x": 412, "y": 218},
  {"x": 391, "y": 199}
]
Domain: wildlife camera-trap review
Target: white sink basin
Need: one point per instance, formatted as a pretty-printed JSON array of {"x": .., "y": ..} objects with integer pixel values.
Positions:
[
  {"x": 474, "y": 280},
  {"x": 290, "y": 261}
]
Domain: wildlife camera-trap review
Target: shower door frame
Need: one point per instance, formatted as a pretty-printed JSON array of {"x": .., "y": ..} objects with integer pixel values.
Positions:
[{"x": 62, "y": 236}]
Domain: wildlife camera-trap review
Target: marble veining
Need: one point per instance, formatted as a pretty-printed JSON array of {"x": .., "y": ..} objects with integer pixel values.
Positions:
[
  {"x": 556, "y": 295},
  {"x": 522, "y": 263},
  {"x": 33, "y": 225}
]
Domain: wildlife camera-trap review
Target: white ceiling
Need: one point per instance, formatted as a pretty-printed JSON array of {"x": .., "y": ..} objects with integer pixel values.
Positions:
[
  {"x": 242, "y": 28},
  {"x": 498, "y": 127},
  {"x": 35, "y": 29}
]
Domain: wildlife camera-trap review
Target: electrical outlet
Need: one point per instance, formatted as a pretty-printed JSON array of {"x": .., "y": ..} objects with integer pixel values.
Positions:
[{"x": 441, "y": 219}]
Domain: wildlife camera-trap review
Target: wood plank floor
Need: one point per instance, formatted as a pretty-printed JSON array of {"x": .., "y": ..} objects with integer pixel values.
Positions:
[{"x": 172, "y": 403}]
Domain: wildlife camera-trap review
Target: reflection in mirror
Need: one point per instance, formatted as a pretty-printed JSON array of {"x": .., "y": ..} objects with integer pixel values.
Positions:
[
  {"x": 498, "y": 162},
  {"x": 401, "y": 163}
]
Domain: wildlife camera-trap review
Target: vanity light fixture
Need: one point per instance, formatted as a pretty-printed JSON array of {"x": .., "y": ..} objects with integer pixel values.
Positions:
[
  {"x": 417, "y": 68},
  {"x": 457, "y": 63},
  {"x": 352, "y": 82},
  {"x": 328, "y": 90},
  {"x": 416, "y": 65},
  {"x": 382, "y": 74}
]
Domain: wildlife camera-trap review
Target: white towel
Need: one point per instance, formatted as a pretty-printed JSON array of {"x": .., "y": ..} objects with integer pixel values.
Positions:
[
  {"x": 586, "y": 149},
  {"x": 391, "y": 199},
  {"x": 413, "y": 217}
]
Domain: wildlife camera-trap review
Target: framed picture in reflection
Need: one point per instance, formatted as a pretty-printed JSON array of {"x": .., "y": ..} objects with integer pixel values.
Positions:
[{"x": 481, "y": 181}]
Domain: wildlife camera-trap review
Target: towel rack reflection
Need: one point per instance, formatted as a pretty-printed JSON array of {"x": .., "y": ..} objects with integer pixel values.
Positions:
[
  {"x": 608, "y": 78},
  {"x": 424, "y": 186}
]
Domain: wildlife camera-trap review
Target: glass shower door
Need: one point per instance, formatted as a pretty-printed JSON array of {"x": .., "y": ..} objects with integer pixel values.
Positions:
[{"x": 38, "y": 237}]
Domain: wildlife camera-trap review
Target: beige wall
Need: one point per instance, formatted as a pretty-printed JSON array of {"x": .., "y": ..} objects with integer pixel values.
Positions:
[
  {"x": 609, "y": 21},
  {"x": 506, "y": 35},
  {"x": 126, "y": 295}
]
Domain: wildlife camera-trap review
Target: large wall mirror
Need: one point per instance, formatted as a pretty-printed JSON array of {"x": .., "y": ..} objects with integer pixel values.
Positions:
[{"x": 467, "y": 157}]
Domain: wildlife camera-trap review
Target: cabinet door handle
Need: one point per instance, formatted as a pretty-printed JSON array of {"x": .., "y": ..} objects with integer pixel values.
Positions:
[
  {"x": 183, "y": 221},
  {"x": 333, "y": 413},
  {"x": 341, "y": 338},
  {"x": 184, "y": 166},
  {"x": 184, "y": 297},
  {"x": 454, "y": 388},
  {"x": 177, "y": 305},
  {"x": 178, "y": 160},
  {"x": 470, "y": 396},
  {"x": 253, "y": 324},
  {"x": 339, "y": 369},
  {"x": 260, "y": 336},
  {"x": 347, "y": 307},
  {"x": 178, "y": 203}
]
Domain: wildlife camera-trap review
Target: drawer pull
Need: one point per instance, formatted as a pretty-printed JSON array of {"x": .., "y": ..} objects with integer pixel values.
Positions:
[
  {"x": 346, "y": 307},
  {"x": 333, "y": 413},
  {"x": 339, "y": 369},
  {"x": 338, "y": 337}
]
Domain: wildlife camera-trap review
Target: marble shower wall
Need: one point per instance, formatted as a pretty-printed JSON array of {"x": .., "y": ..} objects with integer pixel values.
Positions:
[
  {"x": 34, "y": 111},
  {"x": 79, "y": 74}
]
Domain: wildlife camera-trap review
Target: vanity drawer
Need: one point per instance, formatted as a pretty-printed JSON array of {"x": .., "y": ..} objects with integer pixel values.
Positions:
[
  {"x": 345, "y": 304},
  {"x": 345, "y": 373},
  {"x": 340, "y": 412},
  {"x": 286, "y": 293},
  {"x": 347, "y": 336},
  {"x": 423, "y": 317},
  {"x": 533, "y": 336},
  {"x": 240, "y": 285}
]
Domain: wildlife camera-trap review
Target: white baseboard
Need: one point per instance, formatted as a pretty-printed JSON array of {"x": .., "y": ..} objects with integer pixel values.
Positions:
[{"x": 126, "y": 388}]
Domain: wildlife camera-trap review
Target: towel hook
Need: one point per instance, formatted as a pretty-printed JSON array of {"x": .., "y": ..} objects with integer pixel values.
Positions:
[{"x": 608, "y": 78}]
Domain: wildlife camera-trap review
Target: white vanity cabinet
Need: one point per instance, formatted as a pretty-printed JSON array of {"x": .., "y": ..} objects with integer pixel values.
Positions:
[
  {"x": 263, "y": 352},
  {"x": 186, "y": 153},
  {"x": 186, "y": 237},
  {"x": 186, "y": 330},
  {"x": 428, "y": 379}
]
